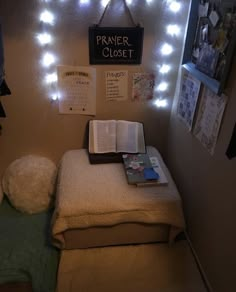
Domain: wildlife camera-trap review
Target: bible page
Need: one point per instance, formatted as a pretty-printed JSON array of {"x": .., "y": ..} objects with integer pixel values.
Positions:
[
  {"x": 104, "y": 134},
  {"x": 127, "y": 136}
]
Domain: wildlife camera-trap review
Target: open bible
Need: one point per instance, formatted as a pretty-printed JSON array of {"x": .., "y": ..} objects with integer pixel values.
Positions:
[{"x": 115, "y": 136}]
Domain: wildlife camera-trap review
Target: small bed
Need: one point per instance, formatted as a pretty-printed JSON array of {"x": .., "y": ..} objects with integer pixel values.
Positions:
[
  {"x": 95, "y": 206},
  {"x": 28, "y": 262}
]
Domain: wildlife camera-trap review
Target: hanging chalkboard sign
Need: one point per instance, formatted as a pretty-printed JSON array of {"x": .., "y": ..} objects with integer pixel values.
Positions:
[{"x": 115, "y": 45}]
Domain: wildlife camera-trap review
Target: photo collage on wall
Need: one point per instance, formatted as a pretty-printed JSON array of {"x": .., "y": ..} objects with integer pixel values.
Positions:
[{"x": 216, "y": 23}]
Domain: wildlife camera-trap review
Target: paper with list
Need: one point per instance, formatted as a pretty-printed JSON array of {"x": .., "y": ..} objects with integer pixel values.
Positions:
[
  {"x": 116, "y": 85},
  {"x": 77, "y": 90}
]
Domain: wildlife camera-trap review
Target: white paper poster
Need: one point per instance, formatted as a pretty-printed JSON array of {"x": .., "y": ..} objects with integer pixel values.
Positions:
[
  {"x": 77, "y": 90},
  {"x": 209, "y": 118},
  {"x": 188, "y": 97},
  {"x": 143, "y": 86},
  {"x": 116, "y": 85}
]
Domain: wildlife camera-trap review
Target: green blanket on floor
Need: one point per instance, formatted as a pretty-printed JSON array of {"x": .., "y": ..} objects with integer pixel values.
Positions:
[{"x": 26, "y": 254}]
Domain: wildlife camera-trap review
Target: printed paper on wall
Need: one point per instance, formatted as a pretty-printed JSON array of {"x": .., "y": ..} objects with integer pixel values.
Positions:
[
  {"x": 209, "y": 118},
  {"x": 188, "y": 97},
  {"x": 116, "y": 85},
  {"x": 77, "y": 90},
  {"x": 143, "y": 86}
]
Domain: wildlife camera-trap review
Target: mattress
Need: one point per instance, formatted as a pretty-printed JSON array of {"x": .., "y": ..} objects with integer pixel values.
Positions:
[{"x": 95, "y": 206}]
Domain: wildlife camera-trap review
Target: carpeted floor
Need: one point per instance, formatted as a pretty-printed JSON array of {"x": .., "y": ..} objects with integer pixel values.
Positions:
[{"x": 137, "y": 268}]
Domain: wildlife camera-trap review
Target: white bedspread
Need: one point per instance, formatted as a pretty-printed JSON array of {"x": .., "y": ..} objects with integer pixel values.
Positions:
[{"x": 98, "y": 195}]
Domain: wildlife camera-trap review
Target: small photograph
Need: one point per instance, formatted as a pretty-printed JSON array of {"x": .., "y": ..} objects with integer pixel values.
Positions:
[{"x": 207, "y": 60}]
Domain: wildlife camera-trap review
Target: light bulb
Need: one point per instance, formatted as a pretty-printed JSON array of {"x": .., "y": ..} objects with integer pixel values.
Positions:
[
  {"x": 166, "y": 49},
  {"x": 47, "y": 17},
  {"x": 164, "y": 69},
  {"x": 44, "y": 38},
  {"x": 162, "y": 86},
  {"x": 54, "y": 96},
  {"x": 173, "y": 29},
  {"x": 48, "y": 59},
  {"x": 161, "y": 102},
  {"x": 175, "y": 6},
  {"x": 84, "y": 1},
  {"x": 105, "y": 2},
  {"x": 51, "y": 78}
]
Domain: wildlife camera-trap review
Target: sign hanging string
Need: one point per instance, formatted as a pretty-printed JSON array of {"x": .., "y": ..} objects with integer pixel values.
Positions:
[{"x": 127, "y": 9}]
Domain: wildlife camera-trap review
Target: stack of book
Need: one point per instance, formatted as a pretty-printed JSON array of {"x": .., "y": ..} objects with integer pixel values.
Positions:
[
  {"x": 123, "y": 141},
  {"x": 142, "y": 170},
  {"x": 108, "y": 139}
]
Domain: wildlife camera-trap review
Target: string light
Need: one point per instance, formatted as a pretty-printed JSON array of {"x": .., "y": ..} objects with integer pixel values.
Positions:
[
  {"x": 54, "y": 96},
  {"x": 84, "y": 1},
  {"x": 162, "y": 86},
  {"x": 173, "y": 29},
  {"x": 175, "y": 6},
  {"x": 51, "y": 78},
  {"x": 105, "y": 2},
  {"x": 47, "y": 17},
  {"x": 44, "y": 39},
  {"x": 161, "y": 103},
  {"x": 166, "y": 49},
  {"x": 164, "y": 69},
  {"x": 48, "y": 59}
]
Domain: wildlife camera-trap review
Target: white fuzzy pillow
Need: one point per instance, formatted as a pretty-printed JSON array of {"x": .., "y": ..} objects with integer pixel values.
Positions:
[
  {"x": 1, "y": 194},
  {"x": 29, "y": 183}
]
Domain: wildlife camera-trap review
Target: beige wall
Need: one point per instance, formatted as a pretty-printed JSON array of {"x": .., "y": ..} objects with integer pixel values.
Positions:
[
  {"x": 33, "y": 124},
  {"x": 208, "y": 187}
]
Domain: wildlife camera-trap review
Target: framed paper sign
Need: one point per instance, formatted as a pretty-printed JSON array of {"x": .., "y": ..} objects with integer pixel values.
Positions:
[{"x": 115, "y": 45}]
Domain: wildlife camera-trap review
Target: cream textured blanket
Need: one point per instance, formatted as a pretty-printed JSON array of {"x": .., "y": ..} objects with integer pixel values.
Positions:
[{"x": 98, "y": 195}]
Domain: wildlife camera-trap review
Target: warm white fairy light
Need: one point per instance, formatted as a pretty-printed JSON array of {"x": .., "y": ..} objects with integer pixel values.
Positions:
[
  {"x": 48, "y": 59},
  {"x": 44, "y": 38},
  {"x": 164, "y": 69},
  {"x": 105, "y": 2},
  {"x": 173, "y": 29},
  {"x": 54, "y": 96},
  {"x": 162, "y": 86},
  {"x": 51, "y": 78},
  {"x": 166, "y": 49},
  {"x": 84, "y": 1},
  {"x": 47, "y": 17},
  {"x": 161, "y": 102},
  {"x": 175, "y": 6}
]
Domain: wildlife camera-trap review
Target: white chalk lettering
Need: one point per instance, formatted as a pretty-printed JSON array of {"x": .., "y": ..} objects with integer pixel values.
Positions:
[
  {"x": 112, "y": 40},
  {"x": 113, "y": 53}
]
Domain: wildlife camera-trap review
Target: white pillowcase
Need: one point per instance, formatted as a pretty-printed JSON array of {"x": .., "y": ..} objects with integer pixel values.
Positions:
[{"x": 29, "y": 183}]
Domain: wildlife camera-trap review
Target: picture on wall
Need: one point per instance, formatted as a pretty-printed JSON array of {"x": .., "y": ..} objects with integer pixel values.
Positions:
[
  {"x": 209, "y": 117},
  {"x": 116, "y": 85},
  {"x": 188, "y": 97},
  {"x": 143, "y": 86}
]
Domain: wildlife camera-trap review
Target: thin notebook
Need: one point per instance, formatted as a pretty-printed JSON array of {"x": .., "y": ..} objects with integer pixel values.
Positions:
[{"x": 138, "y": 169}]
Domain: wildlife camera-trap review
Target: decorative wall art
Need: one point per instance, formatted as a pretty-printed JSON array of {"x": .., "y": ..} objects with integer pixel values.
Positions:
[
  {"x": 210, "y": 113},
  {"x": 143, "y": 86},
  {"x": 188, "y": 97},
  {"x": 77, "y": 90},
  {"x": 116, "y": 85}
]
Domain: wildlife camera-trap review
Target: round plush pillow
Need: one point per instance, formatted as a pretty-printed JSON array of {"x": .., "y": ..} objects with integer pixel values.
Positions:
[{"x": 29, "y": 183}]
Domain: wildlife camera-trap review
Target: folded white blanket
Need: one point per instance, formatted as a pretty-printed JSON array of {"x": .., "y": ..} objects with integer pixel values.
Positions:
[{"x": 98, "y": 195}]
